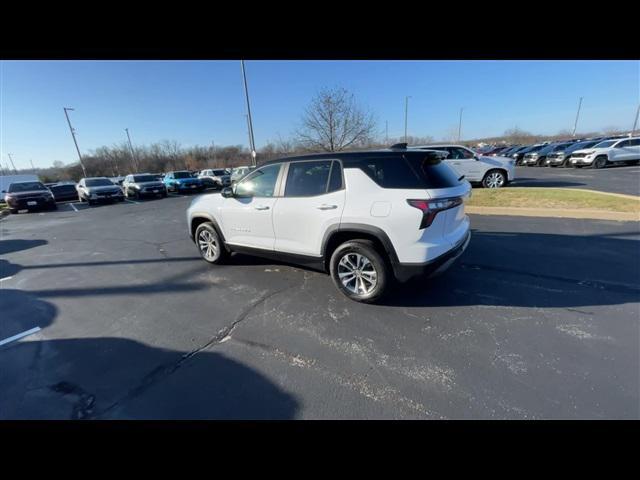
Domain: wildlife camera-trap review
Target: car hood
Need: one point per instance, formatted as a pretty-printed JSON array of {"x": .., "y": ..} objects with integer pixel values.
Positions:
[
  {"x": 496, "y": 161},
  {"x": 585, "y": 150},
  {"x": 29, "y": 193}
]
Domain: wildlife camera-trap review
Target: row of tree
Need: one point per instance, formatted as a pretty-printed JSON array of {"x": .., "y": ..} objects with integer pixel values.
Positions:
[{"x": 333, "y": 121}]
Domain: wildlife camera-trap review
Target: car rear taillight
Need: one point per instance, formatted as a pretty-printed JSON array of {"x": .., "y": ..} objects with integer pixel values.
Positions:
[{"x": 430, "y": 208}]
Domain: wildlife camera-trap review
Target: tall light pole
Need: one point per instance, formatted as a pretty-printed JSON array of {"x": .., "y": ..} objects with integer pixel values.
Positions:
[
  {"x": 635, "y": 123},
  {"x": 406, "y": 109},
  {"x": 32, "y": 167},
  {"x": 386, "y": 132},
  {"x": 460, "y": 124},
  {"x": 12, "y": 164},
  {"x": 73, "y": 134},
  {"x": 246, "y": 92},
  {"x": 215, "y": 153},
  {"x": 134, "y": 160},
  {"x": 575, "y": 125}
]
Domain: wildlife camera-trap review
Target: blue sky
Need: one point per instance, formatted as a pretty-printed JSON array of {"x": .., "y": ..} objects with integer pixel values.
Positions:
[{"x": 197, "y": 102}]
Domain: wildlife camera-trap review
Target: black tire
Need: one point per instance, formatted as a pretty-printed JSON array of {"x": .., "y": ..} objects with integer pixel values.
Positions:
[
  {"x": 164, "y": 195},
  {"x": 366, "y": 249},
  {"x": 600, "y": 162},
  {"x": 493, "y": 176},
  {"x": 13, "y": 211},
  {"x": 206, "y": 230},
  {"x": 53, "y": 207}
]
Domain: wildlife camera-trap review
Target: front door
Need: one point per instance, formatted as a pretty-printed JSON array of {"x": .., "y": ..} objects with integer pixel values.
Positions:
[
  {"x": 464, "y": 162},
  {"x": 247, "y": 216}
]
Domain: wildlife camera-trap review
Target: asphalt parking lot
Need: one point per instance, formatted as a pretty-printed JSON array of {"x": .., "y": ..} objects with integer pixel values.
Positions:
[
  {"x": 613, "y": 179},
  {"x": 538, "y": 319}
]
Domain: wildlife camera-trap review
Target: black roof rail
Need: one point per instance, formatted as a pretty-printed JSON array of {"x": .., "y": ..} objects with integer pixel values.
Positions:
[{"x": 398, "y": 146}]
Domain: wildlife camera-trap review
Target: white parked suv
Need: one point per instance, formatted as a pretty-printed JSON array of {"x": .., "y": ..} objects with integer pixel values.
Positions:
[
  {"x": 364, "y": 217},
  {"x": 218, "y": 177},
  {"x": 619, "y": 150},
  {"x": 490, "y": 172}
]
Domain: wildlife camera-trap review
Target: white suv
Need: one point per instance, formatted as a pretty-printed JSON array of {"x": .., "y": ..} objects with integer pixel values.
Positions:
[
  {"x": 490, "y": 172},
  {"x": 609, "y": 151},
  {"x": 365, "y": 217}
]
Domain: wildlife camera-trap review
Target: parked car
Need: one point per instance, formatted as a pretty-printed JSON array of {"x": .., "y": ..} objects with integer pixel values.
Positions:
[
  {"x": 64, "y": 191},
  {"x": 29, "y": 196},
  {"x": 496, "y": 151},
  {"x": 363, "y": 217},
  {"x": 507, "y": 153},
  {"x": 519, "y": 155},
  {"x": 560, "y": 158},
  {"x": 143, "y": 184},
  {"x": 182, "y": 181},
  {"x": 239, "y": 172},
  {"x": 539, "y": 157},
  {"x": 98, "y": 189},
  {"x": 216, "y": 177},
  {"x": 490, "y": 172},
  {"x": 622, "y": 150}
]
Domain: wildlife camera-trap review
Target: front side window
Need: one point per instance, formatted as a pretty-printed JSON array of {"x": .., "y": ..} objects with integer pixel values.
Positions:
[
  {"x": 623, "y": 144},
  {"x": 260, "y": 183},
  {"x": 307, "y": 179}
]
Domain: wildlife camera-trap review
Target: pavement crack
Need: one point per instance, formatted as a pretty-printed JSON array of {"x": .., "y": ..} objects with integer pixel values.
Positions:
[{"x": 163, "y": 371}]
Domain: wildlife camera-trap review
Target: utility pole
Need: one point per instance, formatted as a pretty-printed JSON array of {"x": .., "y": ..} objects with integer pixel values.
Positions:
[
  {"x": 32, "y": 167},
  {"x": 635, "y": 123},
  {"x": 460, "y": 124},
  {"x": 386, "y": 132},
  {"x": 575, "y": 125},
  {"x": 134, "y": 160},
  {"x": 12, "y": 164},
  {"x": 73, "y": 134},
  {"x": 246, "y": 92},
  {"x": 406, "y": 109},
  {"x": 215, "y": 153}
]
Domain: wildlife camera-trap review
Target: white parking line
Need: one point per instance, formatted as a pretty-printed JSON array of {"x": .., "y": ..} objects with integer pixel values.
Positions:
[
  {"x": 73, "y": 206},
  {"x": 131, "y": 201},
  {"x": 177, "y": 196},
  {"x": 19, "y": 336},
  {"x": 5, "y": 278}
]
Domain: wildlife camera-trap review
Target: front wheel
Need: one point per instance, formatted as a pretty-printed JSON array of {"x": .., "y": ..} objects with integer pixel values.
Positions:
[
  {"x": 359, "y": 271},
  {"x": 494, "y": 179},
  {"x": 209, "y": 244},
  {"x": 600, "y": 162}
]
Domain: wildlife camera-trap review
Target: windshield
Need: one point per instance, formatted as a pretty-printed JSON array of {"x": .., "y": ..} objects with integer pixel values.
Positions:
[
  {"x": 182, "y": 175},
  {"x": 144, "y": 178},
  {"x": 98, "y": 182},
  {"x": 219, "y": 172},
  {"x": 605, "y": 144},
  {"x": 26, "y": 186},
  {"x": 579, "y": 146}
]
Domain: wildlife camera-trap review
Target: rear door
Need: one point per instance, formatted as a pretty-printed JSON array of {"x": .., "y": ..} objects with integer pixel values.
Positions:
[{"x": 313, "y": 198}]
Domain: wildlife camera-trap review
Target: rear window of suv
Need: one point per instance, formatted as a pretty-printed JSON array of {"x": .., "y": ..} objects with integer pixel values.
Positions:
[{"x": 407, "y": 171}]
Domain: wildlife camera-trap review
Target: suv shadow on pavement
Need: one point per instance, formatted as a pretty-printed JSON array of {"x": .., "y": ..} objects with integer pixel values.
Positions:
[
  {"x": 101, "y": 378},
  {"x": 544, "y": 182},
  {"x": 11, "y": 246}
]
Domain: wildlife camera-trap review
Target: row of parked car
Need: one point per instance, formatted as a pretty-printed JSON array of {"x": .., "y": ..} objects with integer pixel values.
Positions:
[
  {"x": 30, "y": 193},
  {"x": 585, "y": 152}
]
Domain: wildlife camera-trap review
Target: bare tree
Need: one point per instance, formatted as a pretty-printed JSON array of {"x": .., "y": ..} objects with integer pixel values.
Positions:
[{"x": 334, "y": 121}]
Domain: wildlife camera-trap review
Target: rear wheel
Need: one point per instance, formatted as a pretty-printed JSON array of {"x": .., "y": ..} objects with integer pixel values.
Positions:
[
  {"x": 14, "y": 211},
  {"x": 209, "y": 244},
  {"x": 600, "y": 162},
  {"x": 494, "y": 179},
  {"x": 359, "y": 271}
]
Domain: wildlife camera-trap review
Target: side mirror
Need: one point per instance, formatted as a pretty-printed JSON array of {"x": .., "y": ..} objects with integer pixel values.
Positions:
[{"x": 227, "y": 192}]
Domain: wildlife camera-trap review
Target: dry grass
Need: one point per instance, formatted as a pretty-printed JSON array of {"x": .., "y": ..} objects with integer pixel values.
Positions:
[{"x": 552, "y": 198}]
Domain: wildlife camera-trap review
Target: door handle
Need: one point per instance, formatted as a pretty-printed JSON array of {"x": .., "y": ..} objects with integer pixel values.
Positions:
[
  {"x": 327, "y": 207},
  {"x": 261, "y": 207}
]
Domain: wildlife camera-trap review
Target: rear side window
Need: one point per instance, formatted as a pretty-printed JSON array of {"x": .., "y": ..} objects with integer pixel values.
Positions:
[
  {"x": 306, "y": 179},
  {"x": 415, "y": 171}
]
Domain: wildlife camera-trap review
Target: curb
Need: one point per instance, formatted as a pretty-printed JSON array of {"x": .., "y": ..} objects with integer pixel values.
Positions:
[
  {"x": 560, "y": 213},
  {"x": 620, "y": 195}
]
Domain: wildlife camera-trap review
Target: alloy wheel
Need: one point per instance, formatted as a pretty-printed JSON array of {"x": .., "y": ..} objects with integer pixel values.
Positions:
[
  {"x": 494, "y": 180},
  {"x": 357, "y": 274},
  {"x": 208, "y": 244}
]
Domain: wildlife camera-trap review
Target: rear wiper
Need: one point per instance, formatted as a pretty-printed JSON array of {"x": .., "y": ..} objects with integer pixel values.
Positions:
[{"x": 461, "y": 178}]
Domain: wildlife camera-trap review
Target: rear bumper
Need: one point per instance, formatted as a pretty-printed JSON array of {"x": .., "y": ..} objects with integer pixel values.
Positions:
[
  {"x": 406, "y": 271},
  {"x": 21, "y": 204}
]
